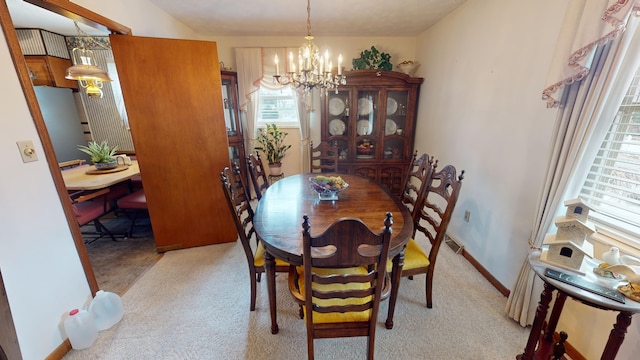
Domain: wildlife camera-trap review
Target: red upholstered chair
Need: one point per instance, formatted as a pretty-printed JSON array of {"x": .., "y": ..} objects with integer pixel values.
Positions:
[
  {"x": 236, "y": 194},
  {"x": 89, "y": 207},
  {"x": 133, "y": 204},
  {"x": 344, "y": 279}
]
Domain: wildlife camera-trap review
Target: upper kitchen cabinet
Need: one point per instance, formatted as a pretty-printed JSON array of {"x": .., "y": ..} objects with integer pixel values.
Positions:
[
  {"x": 49, "y": 71},
  {"x": 47, "y": 57},
  {"x": 371, "y": 121}
]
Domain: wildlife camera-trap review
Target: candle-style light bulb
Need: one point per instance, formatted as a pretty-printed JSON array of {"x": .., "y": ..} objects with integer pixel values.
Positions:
[
  {"x": 291, "y": 63},
  {"x": 275, "y": 59},
  {"x": 340, "y": 64}
]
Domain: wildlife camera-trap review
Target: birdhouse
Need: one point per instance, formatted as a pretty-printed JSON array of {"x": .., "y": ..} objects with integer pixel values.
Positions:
[
  {"x": 567, "y": 254},
  {"x": 570, "y": 248},
  {"x": 573, "y": 230},
  {"x": 577, "y": 209}
]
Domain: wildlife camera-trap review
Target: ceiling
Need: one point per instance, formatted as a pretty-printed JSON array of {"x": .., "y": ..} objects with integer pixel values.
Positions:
[{"x": 274, "y": 17}]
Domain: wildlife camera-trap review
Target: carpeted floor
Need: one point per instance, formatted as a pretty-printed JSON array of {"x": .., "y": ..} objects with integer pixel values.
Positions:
[
  {"x": 194, "y": 304},
  {"x": 118, "y": 264}
]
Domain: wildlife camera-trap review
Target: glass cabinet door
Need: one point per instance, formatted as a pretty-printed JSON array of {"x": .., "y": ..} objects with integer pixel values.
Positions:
[
  {"x": 228, "y": 88},
  {"x": 338, "y": 128},
  {"x": 366, "y": 126},
  {"x": 394, "y": 125}
]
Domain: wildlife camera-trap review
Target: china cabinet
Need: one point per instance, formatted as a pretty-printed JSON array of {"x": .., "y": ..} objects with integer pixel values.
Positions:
[
  {"x": 232, "y": 120},
  {"x": 371, "y": 121}
]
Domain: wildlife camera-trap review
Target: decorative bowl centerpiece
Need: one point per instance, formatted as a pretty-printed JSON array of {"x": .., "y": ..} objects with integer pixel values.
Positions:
[
  {"x": 408, "y": 67},
  {"x": 328, "y": 187}
]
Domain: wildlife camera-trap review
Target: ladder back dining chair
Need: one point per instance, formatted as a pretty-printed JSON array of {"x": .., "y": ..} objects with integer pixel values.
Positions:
[
  {"x": 236, "y": 194},
  {"x": 323, "y": 158},
  {"x": 343, "y": 280},
  {"x": 257, "y": 174},
  {"x": 432, "y": 219}
]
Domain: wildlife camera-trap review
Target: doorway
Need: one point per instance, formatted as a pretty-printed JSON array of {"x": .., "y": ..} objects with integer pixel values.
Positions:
[{"x": 90, "y": 19}]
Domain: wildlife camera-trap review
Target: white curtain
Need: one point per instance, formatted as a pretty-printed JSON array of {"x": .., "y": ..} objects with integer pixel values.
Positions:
[
  {"x": 598, "y": 77},
  {"x": 304, "y": 116},
  {"x": 249, "y": 65},
  {"x": 256, "y": 68}
]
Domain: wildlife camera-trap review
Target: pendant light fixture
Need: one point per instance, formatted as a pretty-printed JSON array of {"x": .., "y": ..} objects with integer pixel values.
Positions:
[
  {"x": 313, "y": 70},
  {"x": 85, "y": 70}
]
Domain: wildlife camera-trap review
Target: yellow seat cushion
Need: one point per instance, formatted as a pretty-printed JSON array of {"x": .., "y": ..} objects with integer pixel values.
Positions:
[
  {"x": 321, "y": 318},
  {"x": 258, "y": 258},
  {"x": 414, "y": 257}
]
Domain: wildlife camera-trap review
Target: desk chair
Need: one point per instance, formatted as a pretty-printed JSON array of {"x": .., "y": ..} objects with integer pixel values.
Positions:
[
  {"x": 323, "y": 158},
  {"x": 71, "y": 164},
  {"x": 344, "y": 279},
  {"x": 133, "y": 204},
  {"x": 235, "y": 192},
  {"x": 257, "y": 174},
  {"x": 89, "y": 207}
]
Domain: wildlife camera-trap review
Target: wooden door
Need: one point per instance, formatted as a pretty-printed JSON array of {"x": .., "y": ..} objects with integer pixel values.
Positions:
[{"x": 173, "y": 97}]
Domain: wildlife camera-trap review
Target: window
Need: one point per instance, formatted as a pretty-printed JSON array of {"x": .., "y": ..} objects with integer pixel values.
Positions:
[
  {"x": 612, "y": 186},
  {"x": 278, "y": 106}
]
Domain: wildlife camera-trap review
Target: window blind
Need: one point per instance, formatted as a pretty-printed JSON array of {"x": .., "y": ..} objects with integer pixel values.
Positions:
[{"x": 612, "y": 186}]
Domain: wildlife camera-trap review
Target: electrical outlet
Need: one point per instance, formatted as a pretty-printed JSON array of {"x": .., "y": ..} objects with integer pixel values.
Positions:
[
  {"x": 467, "y": 215},
  {"x": 26, "y": 151}
]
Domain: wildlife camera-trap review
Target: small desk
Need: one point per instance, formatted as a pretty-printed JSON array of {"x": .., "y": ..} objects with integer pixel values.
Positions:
[
  {"x": 563, "y": 290},
  {"x": 278, "y": 221},
  {"x": 77, "y": 178}
]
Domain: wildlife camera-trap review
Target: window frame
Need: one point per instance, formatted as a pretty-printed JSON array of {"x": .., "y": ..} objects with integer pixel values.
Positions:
[
  {"x": 608, "y": 225},
  {"x": 294, "y": 121}
]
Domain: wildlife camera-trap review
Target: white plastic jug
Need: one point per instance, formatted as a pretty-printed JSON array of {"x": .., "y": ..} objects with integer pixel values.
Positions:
[
  {"x": 106, "y": 308},
  {"x": 81, "y": 329}
]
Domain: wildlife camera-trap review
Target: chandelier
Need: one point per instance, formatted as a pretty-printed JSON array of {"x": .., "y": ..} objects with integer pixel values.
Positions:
[
  {"x": 85, "y": 70},
  {"x": 314, "y": 70}
]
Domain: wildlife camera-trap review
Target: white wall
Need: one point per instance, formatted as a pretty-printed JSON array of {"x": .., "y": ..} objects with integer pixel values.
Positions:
[
  {"x": 480, "y": 109},
  {"x": 485, "y": 66},
  {"x": 40, "y": 265}
]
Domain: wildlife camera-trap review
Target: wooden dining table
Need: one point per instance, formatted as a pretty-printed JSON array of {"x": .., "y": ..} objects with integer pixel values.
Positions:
[
  {"x": 88, "y": 178},
  {"x": 278, "y": 222}
]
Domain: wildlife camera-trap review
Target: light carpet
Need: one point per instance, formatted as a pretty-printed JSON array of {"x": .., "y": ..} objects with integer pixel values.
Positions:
[{"x": 194, "y": 304}]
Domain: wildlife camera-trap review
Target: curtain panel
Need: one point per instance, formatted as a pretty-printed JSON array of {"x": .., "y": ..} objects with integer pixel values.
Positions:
[
  {"x": 587, "y": 23},
  {"x": 590, "y": 94}
]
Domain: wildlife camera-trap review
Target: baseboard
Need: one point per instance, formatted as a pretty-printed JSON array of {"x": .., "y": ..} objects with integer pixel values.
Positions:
[
  {"x": 60, "y": 351},
  {"x": 571, "y": 351},
  {"x": 487, "y": 275}
]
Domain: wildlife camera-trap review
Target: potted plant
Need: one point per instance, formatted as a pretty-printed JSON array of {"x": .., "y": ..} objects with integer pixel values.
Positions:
[
  {"x": 271, "y": 140},
  {"x": 372, "y": 59},
  {"x": 102, "y": 155}
]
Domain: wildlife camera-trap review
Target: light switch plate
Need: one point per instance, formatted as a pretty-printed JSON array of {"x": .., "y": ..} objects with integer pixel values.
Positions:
[{"x": 27, "y": 151}]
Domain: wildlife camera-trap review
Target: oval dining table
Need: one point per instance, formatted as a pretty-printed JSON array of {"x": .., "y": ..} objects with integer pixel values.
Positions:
[{"x": 278, "y": 222}]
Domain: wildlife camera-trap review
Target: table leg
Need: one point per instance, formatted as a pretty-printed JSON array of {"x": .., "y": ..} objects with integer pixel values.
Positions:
[
  {"x": 555, "y": 316},
  {"x": 270, "y": 269},
  {"x": 536, "y": 328},
  {"x": 396, "y": 275},
  {"x": 616, "y": 336}
]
